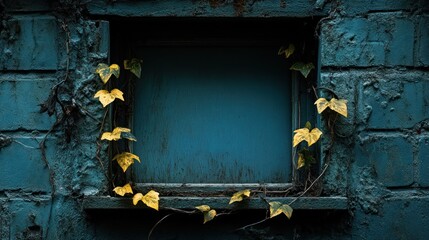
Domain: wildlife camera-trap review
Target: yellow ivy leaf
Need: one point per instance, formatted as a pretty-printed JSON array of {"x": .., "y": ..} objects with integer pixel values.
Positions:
[
  {"x": 276, "y": 208},
  {"x": 107, "y": 97},
  {"x": 203, "y": 208},
  {"x": 301, "y": 161},
  {"x": 208, "y": 216},
  {"x": 151, "y": 199},
  {"x": 303, "y": 68},
  {"x": 239, "y": 196},
  {"x": 134, "y": 65},
  {"x": 288, "y": 51},
  {"x": 208, "y": 213},
  {"x": 123, "y": 190},
  {"x": 125, "y": 159},
  {"x": 303, "y": 134},
  {"x": 321, "y": 104},
  {"x": 115, "y": 134},
  {"x": 105, "y": 71},
  {"x": 137, "y": 197},
  {"x": 337, "y": 105}
]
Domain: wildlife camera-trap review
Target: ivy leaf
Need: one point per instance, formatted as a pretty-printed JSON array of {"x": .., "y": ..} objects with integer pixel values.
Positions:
[
  {"x": 239, "y": 196},
  {"x": 105, "y": 71},
  {"x": 337, "y": 105},
  {"x": 303, "y": 68},
  {"x": 301, "y": 161},
  {"x": 125, "y": 160},
  {"x": 203, "y": 208},
  {"x": 151, "y": 199},
  {"x": 129, "y": 136},
  {"x": 107, "y": 97},
  {"x": 115, "y": 134},
  {"x": 208, "y": 213},
  {"x": 134, "y": 65},
  {"x": 288, "y": 51},
  {"x": 305, "y": 158},
  {"x": 304, "y": 134},
  {"x": 123, "y": 190},
  {"x": 276, "y": 208}
]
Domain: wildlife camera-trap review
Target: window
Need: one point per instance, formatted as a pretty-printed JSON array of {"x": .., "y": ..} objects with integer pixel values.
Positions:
[{"x": 215, "y": 104}]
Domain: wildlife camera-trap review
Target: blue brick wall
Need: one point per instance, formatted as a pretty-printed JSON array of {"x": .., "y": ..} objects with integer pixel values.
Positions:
[{"x": 375, "y": 54}]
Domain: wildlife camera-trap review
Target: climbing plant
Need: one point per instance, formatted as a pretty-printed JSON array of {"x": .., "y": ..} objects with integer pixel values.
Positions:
[{"x": 302, "y": 140}]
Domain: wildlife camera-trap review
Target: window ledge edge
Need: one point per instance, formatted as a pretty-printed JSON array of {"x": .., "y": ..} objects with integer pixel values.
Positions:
[{"x": 306, "y": 203}]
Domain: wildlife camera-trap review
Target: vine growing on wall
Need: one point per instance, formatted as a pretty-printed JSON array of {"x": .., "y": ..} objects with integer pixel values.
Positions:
[{"x": 303, "y": 139}]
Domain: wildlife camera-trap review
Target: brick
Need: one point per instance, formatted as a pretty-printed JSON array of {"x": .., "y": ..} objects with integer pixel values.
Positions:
[
  {"x": 391, "y": 157},
  {"x": 400, "y": 218},
  {"x": 396, "y": 99},
  {"x": 422, "y": 52},
  {"x": 22, "y": 167},
  {"x": 399, "y": 38},
  {"x": 423, "y": 158},
  {"x": 28, "y": 219},
  {"x": 352, "y": 7},
  {"x": 382, "y": 39},
  {"x": 32, "y": 44},
  {"x": 342, "y": 42},
  {"x": 19, "y": 102}
]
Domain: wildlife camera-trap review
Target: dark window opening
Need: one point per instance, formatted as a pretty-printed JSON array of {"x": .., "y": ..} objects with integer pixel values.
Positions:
[{"x": 215, "y": 103}]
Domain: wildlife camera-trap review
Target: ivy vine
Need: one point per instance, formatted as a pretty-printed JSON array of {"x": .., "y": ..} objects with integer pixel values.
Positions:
[{"x": 303, "y": 138}]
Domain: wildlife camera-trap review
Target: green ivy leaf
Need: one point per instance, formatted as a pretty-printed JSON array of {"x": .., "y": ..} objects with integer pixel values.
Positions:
[
  {"x": 129, "y": 136},
  {"x": 304, "y": 68},
  {"x": 105, "y": 71},
  {"x": 305, "y": 158},
  {"x": 134, "y": 65},
  {"x": 277, "y": 208}
]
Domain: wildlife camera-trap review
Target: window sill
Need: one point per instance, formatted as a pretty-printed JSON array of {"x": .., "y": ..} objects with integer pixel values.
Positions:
[{"x": 309, "y": 203}]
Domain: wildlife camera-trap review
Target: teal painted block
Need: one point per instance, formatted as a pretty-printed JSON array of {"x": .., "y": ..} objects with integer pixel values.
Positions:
[
  {"x": 401, "y": 48},
  {"x": 22, "y": 167},
  {"x": 382, "y": 39},
  {"x": 390, "y": 156},
  {"x": 396, "y": 32},
  {"x": 397, "y": 100},
  {"x": 20, "y": 97},
  {"x": 343, "y": 41},
  {"x": 423, "y": 41},
  {"x": 29, "y": 219},
  {"x": 401, "y": 217},
  {"x": 32, "y": 44},
  {"x": 353, "y": 7},
  {"x": 423, "y": 158}
]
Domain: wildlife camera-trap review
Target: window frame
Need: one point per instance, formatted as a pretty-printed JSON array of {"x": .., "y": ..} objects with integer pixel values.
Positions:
[{"x": 192, "y": 190}]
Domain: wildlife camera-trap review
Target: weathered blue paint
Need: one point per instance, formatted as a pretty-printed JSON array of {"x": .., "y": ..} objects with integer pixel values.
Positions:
[
  {"x": 21, "y": 167},
  {"x": 32, "y": 44},
  {"x": 423, "y": 168},
  {"x": 391, "y": 156},
  {"x": 213, "y": 114},
  {"x": 20, "y": 96},
  {"x": 375, "y": 54}
]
